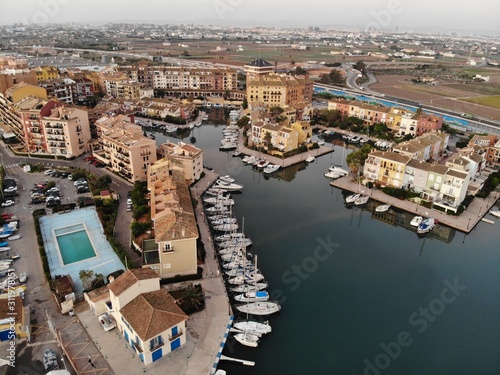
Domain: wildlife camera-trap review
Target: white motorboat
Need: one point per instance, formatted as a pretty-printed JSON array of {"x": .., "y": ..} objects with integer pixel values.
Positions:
[
  {"x": 247, "y": 339},
  {"x": 234, "y": 256},
  {"x": 229, "y": 186},
  {"x": 217, "y": 208},
  {"x": 249, "y": 159},
  {"x": 239, "y": 271},
  {"x": 224, "y": 220},
  {"x": 229, "y": 236},
  {"x": 227, "y": 178},
  {"x": 4, "y": 249},
  {"x": 332, "y": 175},
  {"x": 13, "y": 238},
  {"x": 226, "y": 227},
  {"x": 271, "y": 168},
  {"x": 339, "y": 170},
  {"x": 253, "y": 327},
  {"x": 253, "y": 296},
  {"x": 383, "y": 208},
  {"x": 6, "y": 234},
  {"x": 229, "y": 146},
  {"x": 235, "y": 242},
  {"x": 362, "y": 199},
  {"x": 248, "y": 278},
  {"x": 245, "y": 263},
  {"x": 249, "y": 287},
  {"x": 215, "y": 191},
  {"x": 171, "y": 129},
  {"x": 310, "y": 159},
  {"x": 220, "y": 199},
  {"x": 495, "y": 213},
  {"x": 259, "y": 308},
  {"x": 426, "y": 225},
  {"x": 415, "y": 222},
  {"x": 237, "y": 153},
  {"x": 352, "y": 198},
  {"x": 262, "y": 164}
]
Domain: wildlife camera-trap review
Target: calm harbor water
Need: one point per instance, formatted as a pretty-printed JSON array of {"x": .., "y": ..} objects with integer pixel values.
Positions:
[{"x": 359, "y": 295}]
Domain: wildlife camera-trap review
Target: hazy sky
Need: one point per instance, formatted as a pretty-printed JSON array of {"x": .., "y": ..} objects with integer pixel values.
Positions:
[{"x": 384, "y": 14}]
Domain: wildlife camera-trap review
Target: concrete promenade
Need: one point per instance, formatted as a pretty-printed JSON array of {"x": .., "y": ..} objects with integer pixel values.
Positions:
[{"x": 464, "y": 222}]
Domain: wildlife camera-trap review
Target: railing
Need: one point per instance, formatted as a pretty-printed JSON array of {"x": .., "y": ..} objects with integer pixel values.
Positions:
[
  {"x": 179, "y": 334},
  {"x": 139, "y": 349}
]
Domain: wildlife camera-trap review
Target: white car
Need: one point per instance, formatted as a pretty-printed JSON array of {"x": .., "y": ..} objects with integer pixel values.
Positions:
[
  {"x": 10, "y": 189},
  {"x": 8, "y": 202},
  {"x": 49, "y": 172}
]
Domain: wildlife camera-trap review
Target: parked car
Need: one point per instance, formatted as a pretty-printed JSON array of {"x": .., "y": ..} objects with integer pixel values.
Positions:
[
  {"x": 129, "y": 207},
  {"x": 50, "y": 360},
  {"x": 70, "y": 177},
  {"x": 10, "y": 189},
  {"x": 8, "y": 203},
  {"x": 49, "y": 172},
  {"x": 82, "y": 189},
  {"x": 23, "y": 277}
]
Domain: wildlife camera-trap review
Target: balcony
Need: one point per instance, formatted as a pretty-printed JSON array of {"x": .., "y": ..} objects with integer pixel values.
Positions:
[
  {"x": 137, "y": 347},
  {"x": 173, "y": 337}
]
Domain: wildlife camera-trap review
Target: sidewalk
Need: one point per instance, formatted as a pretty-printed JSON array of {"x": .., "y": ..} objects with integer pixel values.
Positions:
[{"x": 465, "y": 222}]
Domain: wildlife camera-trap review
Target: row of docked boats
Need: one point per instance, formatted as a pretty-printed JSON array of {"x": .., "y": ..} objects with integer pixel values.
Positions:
[
  {"x": 261, "y": 164},
  {"x": 230, "y": 138},
  {"x": 335, "y": 172},
  {"x": 8, "y": 232},
  {"x": 244, "y": 281}
]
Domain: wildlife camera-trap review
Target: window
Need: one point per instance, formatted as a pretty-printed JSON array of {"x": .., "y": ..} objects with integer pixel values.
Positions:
[{"x": 168, "y": 247}]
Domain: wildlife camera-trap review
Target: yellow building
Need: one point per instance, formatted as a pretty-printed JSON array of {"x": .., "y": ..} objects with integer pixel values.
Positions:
[
  {"x": 174, "y": 250},
  {"x": 386, "y": 168},
  {"x": 45, "y": 73},
  {"x": 122, "y": 146},
  {"x": 275, "y": 138},
  {"x": 187, "y": 155},
  {"x": 279, "y": 90},
  {"x": 394, "y": 118},
  {"x": 303, "y": 129}
]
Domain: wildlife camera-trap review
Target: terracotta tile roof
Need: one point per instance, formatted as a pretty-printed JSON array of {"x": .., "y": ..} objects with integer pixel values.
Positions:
[
  {"x": 129, "y": 278},
  {"x": 391, "y": 156},
  {"x": 455, "y": 173},
  {"x": 98, "y": 294},
  {"x": 150, "y": 314}
]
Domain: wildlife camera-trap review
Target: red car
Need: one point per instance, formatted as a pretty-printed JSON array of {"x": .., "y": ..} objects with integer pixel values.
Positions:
[{"x": 89, "y": 158}]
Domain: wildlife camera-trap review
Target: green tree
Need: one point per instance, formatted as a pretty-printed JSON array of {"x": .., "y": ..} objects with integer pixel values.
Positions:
[
  {"x": 86, "y": 277},
  {"x": 245, "y": 103},
  {"x": 357, "y": 158},
  {"x": 361, "y": 66},
  {"x": 243, "y": 121},
  {"x": 267, "y": 139},
  {"x": 192, "y": 299}
]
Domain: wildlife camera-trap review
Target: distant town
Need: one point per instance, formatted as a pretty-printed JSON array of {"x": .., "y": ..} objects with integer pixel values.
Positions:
[{"x": 81, "y": 107}]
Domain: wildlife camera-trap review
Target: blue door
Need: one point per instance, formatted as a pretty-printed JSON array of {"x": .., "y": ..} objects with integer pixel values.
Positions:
[
  {"x": 141, "y": 357},
  {"x": 126, "y": 336},
  {"x": 174, "y": 331},
  {"x": 157, "y": 355},
  {"x": 175, "y": 344}
]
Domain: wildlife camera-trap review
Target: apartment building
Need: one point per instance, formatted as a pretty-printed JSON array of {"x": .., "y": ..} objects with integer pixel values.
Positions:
[
  {"x": 46, "y": 73},
  {"x": 277, "y": 139},
  {"x": 174, "y": 248},
  {"x": 187, "y": 155},
  {"x": 408, "y": 125},
  {"x": 425, "y": 147},
  {"x": 51, "y": 128},
  {"x": 147, "y": 316},
  {"x": 9, "y": 111},
  {"x": 257, "y": 68},
  {"x": 123, "y": 148},
  {"x": 14, "y": 71},
  {"x": 429, "y": 123},
  {"x": 281, "y": 90}
]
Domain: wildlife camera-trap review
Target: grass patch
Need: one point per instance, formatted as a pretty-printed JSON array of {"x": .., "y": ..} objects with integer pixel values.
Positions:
[
  {"x": 476, "y": 88},
  {"x": 488, "y": 101}
]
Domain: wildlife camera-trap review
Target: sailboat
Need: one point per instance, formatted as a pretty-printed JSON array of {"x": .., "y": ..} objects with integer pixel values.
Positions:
[
  {"x": 252, "y": 296},
  {"x": 247, "y": 339},
  {"x": 253, "y": 327},
  {"x": 259, "y": 308},
  {"x": 249, "y": 287},
  {"x": 352, "y": 198}
]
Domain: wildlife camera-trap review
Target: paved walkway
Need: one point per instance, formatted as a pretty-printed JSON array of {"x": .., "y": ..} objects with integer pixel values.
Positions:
[{"x": 465, "y": 222}]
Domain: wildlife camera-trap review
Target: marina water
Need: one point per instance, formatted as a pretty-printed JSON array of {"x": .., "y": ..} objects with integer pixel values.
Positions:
[{"x": 359, "y": 295}]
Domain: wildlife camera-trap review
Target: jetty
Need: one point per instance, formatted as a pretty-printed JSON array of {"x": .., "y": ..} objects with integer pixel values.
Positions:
[{"x": 464, "y": 222}]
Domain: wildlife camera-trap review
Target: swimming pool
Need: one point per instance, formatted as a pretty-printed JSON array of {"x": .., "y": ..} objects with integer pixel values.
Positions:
[{"x": 74, "y": 243}]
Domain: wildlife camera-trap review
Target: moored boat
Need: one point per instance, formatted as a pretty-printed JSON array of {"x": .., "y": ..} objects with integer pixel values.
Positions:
[
  {"x": 253, "y": 327},
  {"x": 271, "y": 168},
  {"x": 247, "y": 339},
  {"x": 362, "y": 199},
  {"x": 415, "y": 222},
  {"x": 352, "y": 198},
  {"x": 252, "y": 296},
  {"x": 310, "y": 159},
  {"x": 495, "y": 213},
  {"x": 426, "y": 225},
  {"x": 259, "y": 308},
  {"x": 383, "y": 208}
]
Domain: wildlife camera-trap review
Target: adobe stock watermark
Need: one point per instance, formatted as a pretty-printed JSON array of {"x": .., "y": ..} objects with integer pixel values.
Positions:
[
  {"x": 48, "y": 9},
  {"x": 224, "y": 6},
  {"x": 294, "y": 276},
  {"x": 418, "y": 320},
  {"x": 383, "y": 17}
]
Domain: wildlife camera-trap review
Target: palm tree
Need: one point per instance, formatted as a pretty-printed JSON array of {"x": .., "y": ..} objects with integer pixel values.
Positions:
[
  {"x": 192, "y": 299},
  {"x": 86, "y": 276}
]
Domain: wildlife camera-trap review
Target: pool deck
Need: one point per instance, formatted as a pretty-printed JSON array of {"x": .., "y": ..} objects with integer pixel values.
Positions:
[
  {"x": 105, "y": 262},
  {"x": 465, "y": 222}
]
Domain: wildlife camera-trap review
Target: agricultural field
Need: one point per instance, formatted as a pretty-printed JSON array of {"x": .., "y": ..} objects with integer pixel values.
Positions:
[{"x": 489, "y": 101}]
